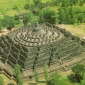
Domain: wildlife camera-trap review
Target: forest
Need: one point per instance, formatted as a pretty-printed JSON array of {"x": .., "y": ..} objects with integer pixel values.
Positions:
[{"x": 15, "y": 13}]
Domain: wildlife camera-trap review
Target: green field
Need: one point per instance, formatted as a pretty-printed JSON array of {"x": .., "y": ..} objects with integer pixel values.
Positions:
[{"x": 6, "y": 6}]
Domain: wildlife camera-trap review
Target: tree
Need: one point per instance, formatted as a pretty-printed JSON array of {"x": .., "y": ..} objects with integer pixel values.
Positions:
[
  {"x": 35, "y": 7},
  {"x": 15, "y": 7},
  {"x": 17, "y": 69},
  {"x": 37, "y": 2},
  {"x": 1, "y": 81},
  {"x": 27, "y": 18},
  {"x": 17, "y": 19},
  {"x": 72, "y": 16},
  {"x": 19, "y": 80},
  {"x": 78, "y": 71},
  {"x": 74, "y": 2},
  {"x": 27, "y": 6},
  {"x": 83, "y": 81},
  {"x": 35, "y": 10},
  {"x": 80, "y": 18},
  {"x": 55, "y": 79},
  {"x": 43, "y": 5},
  {"x": 17, "y": 73},
  {"x": 8, "y": 22},
  {"x": 46, "y": 73},
  {"x": 65, "y": 3},
  {"x": 48, "y": 15},
  {"x": 55, "y": 2},
  {"x": 81, "y": 2},
  {"x": 61, "y": 16},
  {"x": 55, "y": 76},
  {"x": 36, "y": 75},
  {"x": 67, "y": 15}
]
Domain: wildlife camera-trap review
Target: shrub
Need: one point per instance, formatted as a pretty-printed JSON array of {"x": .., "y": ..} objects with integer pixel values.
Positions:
[
  {"x": 36, "y": 2},
  {"x": 27, "y": 6},
  {"x": 47, "y": 15},
  {"x": 17, "y": 18},
  {"x": 8, "y": 22},
  {"x": 28, "y": 17}
]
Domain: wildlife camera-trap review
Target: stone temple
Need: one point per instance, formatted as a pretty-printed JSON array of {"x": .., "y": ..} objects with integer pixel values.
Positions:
[{"x": 32, "y": 47}]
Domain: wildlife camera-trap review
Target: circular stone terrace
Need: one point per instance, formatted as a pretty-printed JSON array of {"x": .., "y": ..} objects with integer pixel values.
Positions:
[{"x": 36, "y": 35}]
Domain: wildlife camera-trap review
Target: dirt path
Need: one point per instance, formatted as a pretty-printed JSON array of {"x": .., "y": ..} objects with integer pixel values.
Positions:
[{"x": 4, "y": 33}]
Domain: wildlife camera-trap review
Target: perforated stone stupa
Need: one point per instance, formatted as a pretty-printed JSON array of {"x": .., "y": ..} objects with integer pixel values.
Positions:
[{"x": 32, "y": 47}]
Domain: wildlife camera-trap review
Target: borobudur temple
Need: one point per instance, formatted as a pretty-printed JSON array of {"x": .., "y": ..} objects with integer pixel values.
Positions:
[{"x": 32, "y": 47}]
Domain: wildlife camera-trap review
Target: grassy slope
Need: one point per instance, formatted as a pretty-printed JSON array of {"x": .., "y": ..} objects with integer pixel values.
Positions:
[
  {"x": 78, "y": 30},
  {"x": 6, "y": 80}
]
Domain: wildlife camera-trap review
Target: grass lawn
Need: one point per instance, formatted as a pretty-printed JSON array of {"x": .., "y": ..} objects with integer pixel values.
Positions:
[
  {"x": 7, "y": 80},
  {"x": 63, "y": 77},
  {"x": 78, "y": 30}
]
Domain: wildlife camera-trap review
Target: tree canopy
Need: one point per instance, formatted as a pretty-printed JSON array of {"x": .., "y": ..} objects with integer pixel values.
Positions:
[
  {"x": 78, "y": 71},
  {"x": 18, "y": 75},
  {"x": 8, "y": 22}
]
